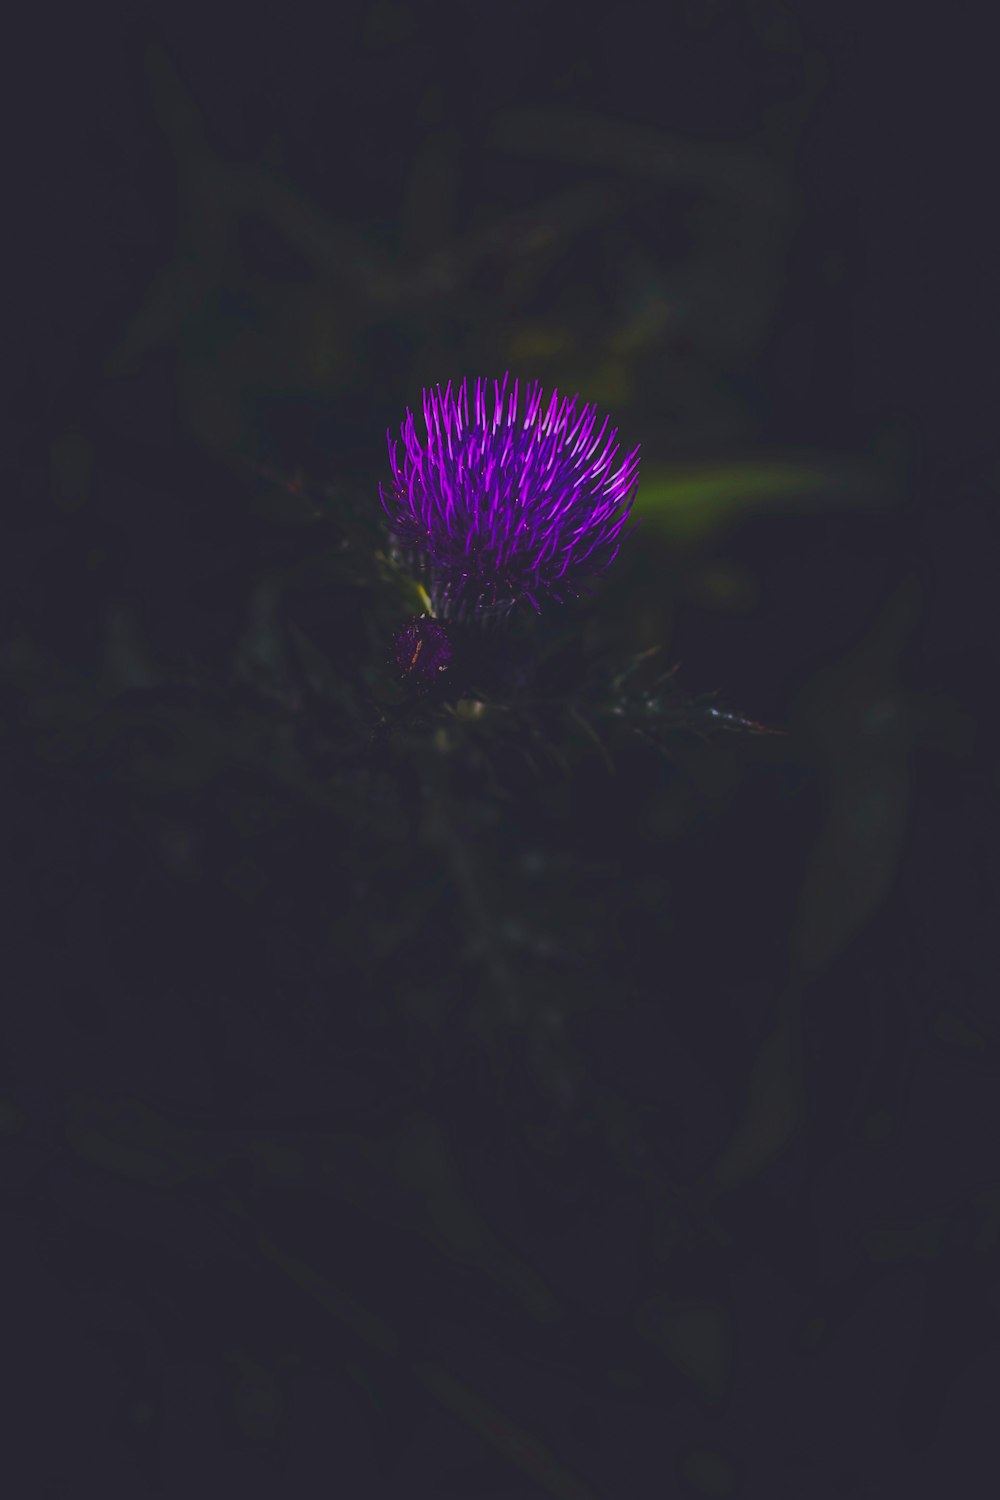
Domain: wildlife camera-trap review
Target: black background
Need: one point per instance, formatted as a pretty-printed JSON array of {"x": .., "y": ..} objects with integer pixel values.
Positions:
[{"x": 410, "y": 1114}]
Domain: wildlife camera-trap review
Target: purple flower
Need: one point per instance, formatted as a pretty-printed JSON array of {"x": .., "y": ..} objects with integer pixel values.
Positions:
[
  {"x": 494, "y": 506},
  {"x": 422, "y": 649}
]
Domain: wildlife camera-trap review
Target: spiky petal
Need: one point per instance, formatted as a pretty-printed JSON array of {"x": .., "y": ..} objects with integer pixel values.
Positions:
[{"x": 494, "y": 505}]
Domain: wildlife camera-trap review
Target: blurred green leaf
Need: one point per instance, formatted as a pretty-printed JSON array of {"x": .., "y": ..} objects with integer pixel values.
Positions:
[
  {"x": 696, "y": 1337},
  {"x": 696, "y": 499}
]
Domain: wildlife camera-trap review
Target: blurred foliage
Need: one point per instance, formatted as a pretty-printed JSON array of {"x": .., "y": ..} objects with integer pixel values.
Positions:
[{"x": 694, "y": 501}]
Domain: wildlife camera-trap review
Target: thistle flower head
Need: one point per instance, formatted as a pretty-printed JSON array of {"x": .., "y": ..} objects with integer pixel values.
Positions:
[{"x": 495, "y": 505}]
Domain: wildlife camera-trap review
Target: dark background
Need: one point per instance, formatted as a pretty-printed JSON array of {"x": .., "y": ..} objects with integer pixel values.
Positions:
[{"x": 485, "y": 1099}]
